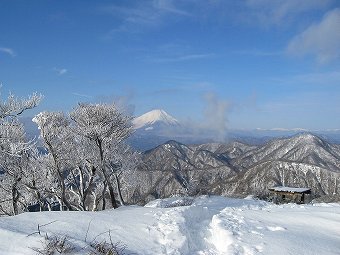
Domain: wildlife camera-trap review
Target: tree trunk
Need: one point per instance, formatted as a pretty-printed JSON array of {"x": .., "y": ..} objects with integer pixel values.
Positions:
[
  {"x": 15, "y": 197},
  {"x": 103, "y": 196},
  {"x": 107, "y": 178},
  {"x": 112, "y": 197},
  {"x": 63, "y": 197},
  {"x": 119, "y": 190},
  {"x": 59, "y": 173}
]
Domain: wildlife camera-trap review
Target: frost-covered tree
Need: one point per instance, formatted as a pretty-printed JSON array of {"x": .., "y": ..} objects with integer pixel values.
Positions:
[
  {"x": 56, "y": 136},
  {"x": 15, "y": 153},
  {"x": 122, "y": 164},
  {"x": 83, "y": 180},
  {"x": 23, "y": 183},
  {"x": 84, "y": 164},
  {"x": 37, "y": 181},
  {"x": 13, "y": 147},
  {"x": 102, "y": 125},
  {"x": 87, "y": 154},
  {"x": 72, "y": 174},
  {"x": 14, "y": 106}
]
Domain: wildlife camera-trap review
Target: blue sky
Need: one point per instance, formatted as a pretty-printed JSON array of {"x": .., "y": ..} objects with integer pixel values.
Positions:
[{"x": 256, "y": 63}]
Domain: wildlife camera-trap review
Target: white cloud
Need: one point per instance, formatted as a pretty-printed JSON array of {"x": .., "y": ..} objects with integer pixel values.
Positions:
[
  {"x": 8, "y": 51},
  {"x": 60, "y": 71},
  {"x": 324, "y": 78},
  {"x": 134, "y": 16},
  {"x": 169, "y": 6},
  {"x": 279, "y": 12},
  {"x": 137, "y": 14},
  {"x": 183, "y": 58},
  {"x": 258, "y": 53},
  {"x": 81, "y": 95},
  {"x": 321, "y": 40}
]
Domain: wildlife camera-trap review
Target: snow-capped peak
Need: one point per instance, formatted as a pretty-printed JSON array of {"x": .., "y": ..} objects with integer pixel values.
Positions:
[
  {"x": 154, "y": 117},
  {"x": 307, "y": 138}
]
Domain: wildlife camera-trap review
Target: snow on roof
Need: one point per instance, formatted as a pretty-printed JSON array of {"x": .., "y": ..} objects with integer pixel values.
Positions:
[{"x": 290, "y": 189}]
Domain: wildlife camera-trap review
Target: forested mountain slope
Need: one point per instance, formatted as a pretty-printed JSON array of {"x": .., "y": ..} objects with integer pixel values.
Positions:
[{"x": 238, "y": 169}]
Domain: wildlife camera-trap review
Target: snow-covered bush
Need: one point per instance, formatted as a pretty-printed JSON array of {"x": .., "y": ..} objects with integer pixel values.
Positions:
[
  {"x": 55, "y": 244},
  {"x": 107, "y": 248}
]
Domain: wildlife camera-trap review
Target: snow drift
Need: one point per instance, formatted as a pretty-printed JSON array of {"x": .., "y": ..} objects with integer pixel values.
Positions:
[{"x": 205, "y": 225}]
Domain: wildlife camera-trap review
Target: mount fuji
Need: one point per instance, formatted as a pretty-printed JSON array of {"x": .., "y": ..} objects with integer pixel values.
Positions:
[
  {"x": 155, "y": 119},
  {"x": 154, "y": 128}
]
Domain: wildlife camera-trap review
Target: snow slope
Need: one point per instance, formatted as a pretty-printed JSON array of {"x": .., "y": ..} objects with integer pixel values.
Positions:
[{"x": 210, "y": 225}]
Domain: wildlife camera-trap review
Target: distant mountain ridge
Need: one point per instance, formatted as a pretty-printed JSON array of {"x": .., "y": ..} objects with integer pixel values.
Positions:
[
  {"x": 157, "y": 126},
  {"x": 238, "y": 169},
  {"x": 304, "y": 148}
]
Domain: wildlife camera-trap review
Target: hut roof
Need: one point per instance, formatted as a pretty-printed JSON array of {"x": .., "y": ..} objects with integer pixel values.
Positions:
[{"x": 290, "y": 189}]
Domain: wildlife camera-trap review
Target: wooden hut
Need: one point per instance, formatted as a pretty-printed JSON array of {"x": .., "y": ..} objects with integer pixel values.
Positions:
[{"x": 282, "y": 195}]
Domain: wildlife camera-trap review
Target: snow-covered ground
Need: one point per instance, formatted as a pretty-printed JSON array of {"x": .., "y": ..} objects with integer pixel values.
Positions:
[{"x": 210, "y": 225}]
